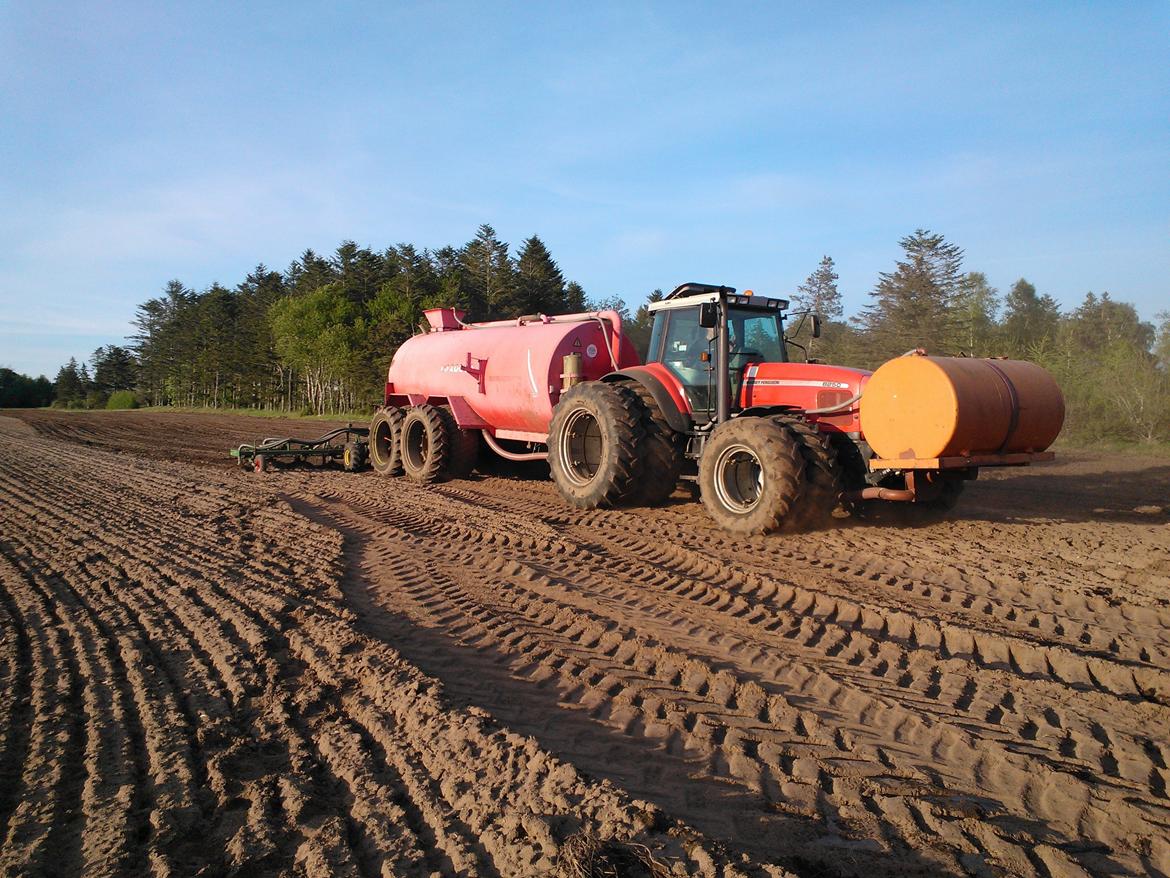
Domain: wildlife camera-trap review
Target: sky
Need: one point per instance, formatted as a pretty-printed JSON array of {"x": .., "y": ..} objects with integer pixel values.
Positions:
[{"x": 648, "y": 144}]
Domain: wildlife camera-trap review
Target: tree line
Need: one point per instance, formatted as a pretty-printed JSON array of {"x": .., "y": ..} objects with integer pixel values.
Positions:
[
  {"x": 319, "y": 336},
  {"x": 1113, "y": 367}
]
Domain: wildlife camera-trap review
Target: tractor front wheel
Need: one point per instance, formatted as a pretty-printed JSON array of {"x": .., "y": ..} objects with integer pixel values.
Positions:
[
  {"x": 425, "y": 445},
  {"x": 385, "y": 430},
  {"x": 594, "y": 444},
  {"x": 751, "y": 475},
  {"x": 822, "y": 476}
]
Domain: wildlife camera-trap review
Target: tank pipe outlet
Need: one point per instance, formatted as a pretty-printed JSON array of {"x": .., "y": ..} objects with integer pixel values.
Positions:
[
  {"x": 898, "y": 495},
  {"x": 511, "y": 455}
]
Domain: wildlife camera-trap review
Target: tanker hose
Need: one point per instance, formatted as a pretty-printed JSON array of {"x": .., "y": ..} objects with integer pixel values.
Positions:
[{"x": 608, "y": 346}]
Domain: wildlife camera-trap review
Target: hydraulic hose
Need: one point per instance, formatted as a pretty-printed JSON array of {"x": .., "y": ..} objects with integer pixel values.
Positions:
[{"x": 833, "y": 408}]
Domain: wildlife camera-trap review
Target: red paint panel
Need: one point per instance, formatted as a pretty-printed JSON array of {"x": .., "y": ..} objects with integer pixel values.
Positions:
[{"x": 801, "y": 385}]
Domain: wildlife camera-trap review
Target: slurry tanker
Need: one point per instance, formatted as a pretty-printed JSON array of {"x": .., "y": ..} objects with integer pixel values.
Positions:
[{"x": 767, "y": 443}]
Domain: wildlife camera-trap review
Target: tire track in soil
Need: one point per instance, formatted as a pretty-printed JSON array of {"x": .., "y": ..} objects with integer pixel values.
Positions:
[
  {"x": 114, "y": 756},
  {"x": 479, "y": 662},
  {"x": 44, "y": 827},
  {"x": 190, "y": 642},
  {"x": 428, "y": 525}
]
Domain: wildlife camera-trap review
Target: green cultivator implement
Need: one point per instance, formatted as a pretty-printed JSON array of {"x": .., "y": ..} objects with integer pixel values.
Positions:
[{"x": 347, "y": 444}]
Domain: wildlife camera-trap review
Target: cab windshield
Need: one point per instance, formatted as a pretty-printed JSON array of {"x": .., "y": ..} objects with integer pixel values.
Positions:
[{"x": 678, "y": 342}]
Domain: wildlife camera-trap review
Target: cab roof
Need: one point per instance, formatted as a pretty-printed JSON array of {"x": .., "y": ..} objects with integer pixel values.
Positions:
[{"x": 690, "y": 294}]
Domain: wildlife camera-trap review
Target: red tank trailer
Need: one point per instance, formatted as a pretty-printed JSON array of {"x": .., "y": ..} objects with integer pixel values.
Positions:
[{"x": 767, "y": 442}]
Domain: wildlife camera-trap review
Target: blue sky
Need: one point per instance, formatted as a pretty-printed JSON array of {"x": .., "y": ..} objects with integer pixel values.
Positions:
[{"x": 647, "y": 143}]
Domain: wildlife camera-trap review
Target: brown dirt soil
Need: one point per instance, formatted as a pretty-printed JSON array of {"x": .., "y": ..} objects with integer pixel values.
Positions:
[{"x": 316, "y": 672}]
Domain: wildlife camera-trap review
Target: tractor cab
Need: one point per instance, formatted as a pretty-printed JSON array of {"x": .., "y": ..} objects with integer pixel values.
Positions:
[{"x": 707, "y": 336}]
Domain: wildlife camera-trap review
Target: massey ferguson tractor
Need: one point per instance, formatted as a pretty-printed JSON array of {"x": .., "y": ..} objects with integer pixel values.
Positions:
[{"x": 766, "y": 442}]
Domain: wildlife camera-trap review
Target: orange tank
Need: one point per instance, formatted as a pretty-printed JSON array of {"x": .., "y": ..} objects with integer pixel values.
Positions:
[{"x": 929, "y": 407}]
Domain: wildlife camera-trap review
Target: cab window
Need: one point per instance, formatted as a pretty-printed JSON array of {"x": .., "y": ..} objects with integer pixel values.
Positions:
[
  {"x": 755, "y": 338},
  {"x": 680, "y": 342}
]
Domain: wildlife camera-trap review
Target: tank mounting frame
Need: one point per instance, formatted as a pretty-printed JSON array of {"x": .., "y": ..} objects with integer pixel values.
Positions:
[{"x": 1022, "y": 458}]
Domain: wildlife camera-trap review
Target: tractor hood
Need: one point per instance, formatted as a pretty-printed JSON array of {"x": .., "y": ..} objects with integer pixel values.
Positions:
[{"x": 808, "y": 386}]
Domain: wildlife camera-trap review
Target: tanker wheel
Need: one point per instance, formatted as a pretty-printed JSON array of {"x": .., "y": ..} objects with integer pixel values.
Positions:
[
  {"x": 424, "y": 444},
  {"x": 594, "y": 444},
  {"x": 385, "y": 431},
  {"x": 751, "y": 475},
  {"x": 823, "y": 476},
  {"x": 464, "y": 454},
  {"x": 662, "y": 454}
]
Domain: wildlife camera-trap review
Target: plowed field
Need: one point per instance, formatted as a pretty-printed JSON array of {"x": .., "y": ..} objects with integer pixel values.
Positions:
[{"x": 318, "y": 673}]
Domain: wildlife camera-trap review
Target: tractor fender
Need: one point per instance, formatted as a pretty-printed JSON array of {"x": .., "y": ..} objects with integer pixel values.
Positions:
[{"x": 680, "y": 421}]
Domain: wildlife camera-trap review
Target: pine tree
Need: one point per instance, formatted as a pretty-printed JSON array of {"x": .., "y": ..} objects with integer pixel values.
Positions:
[
  {"x": 114, "y": 368},
  {"x": 489, "y": 277},
  {"x": 70, "y": 387},
  {"x": 912, "y": 305},
  {"x": 309, "y": 273},
  {"x": 360, "y": 271},
  {"x": 819, "y": 292},
  {"x": 1029, "y": 319},
  {"x": 540, "y": 286},
  {"x": 575, "y": 300}
]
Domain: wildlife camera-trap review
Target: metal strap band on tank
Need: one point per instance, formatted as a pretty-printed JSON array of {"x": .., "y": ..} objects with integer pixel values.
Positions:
[{"x": 1015, "y": 398}]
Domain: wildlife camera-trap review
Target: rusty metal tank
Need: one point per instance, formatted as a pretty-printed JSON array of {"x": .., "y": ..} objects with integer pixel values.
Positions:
[
  {"x": 507, "y": 371},
  {"x": 918, "y": 407}
]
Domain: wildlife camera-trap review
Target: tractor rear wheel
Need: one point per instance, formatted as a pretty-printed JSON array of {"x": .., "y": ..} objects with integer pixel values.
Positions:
[
  {"x": 464, "y": 454},
  {"x": 751, "y": 475},
  {"x": 594, "y": 444},
  {"x": 385, "y": 432},
  {"x": 425, "y": 446},
  {"x": 662, "y": 454},
  {"x": 822, "y": 476}
]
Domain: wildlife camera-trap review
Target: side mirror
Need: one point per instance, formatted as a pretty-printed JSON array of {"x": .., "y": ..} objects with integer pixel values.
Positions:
[
  {"x": 709, "y": 315},
  {"x": 816, "y": 326}
]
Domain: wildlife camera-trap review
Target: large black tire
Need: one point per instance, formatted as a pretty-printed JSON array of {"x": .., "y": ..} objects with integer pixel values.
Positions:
[
  {"x": 385, "y": 444},
  {"x": 937, "y": 508},
  {"x": 823, "y": 476},
  {"x": 353, "y": 457},
  {"x": 662, "y": 455},
  {"x": 464, "y": 451},
  {"x": 751, "y": 475},
  {"x": 594, "y": 444},
  {"x": 424, "y": 444}
]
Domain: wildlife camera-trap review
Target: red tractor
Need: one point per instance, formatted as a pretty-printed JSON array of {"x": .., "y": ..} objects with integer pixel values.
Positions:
[{"x": 767, "y": 442}]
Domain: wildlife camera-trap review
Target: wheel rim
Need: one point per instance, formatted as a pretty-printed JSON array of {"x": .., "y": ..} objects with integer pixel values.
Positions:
[
  {"x": 739, "y": 478},
  {"x": 582, "y": 447},
  {"x": 381, "y": 443},
  {"x": 416, "y": 445}
]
